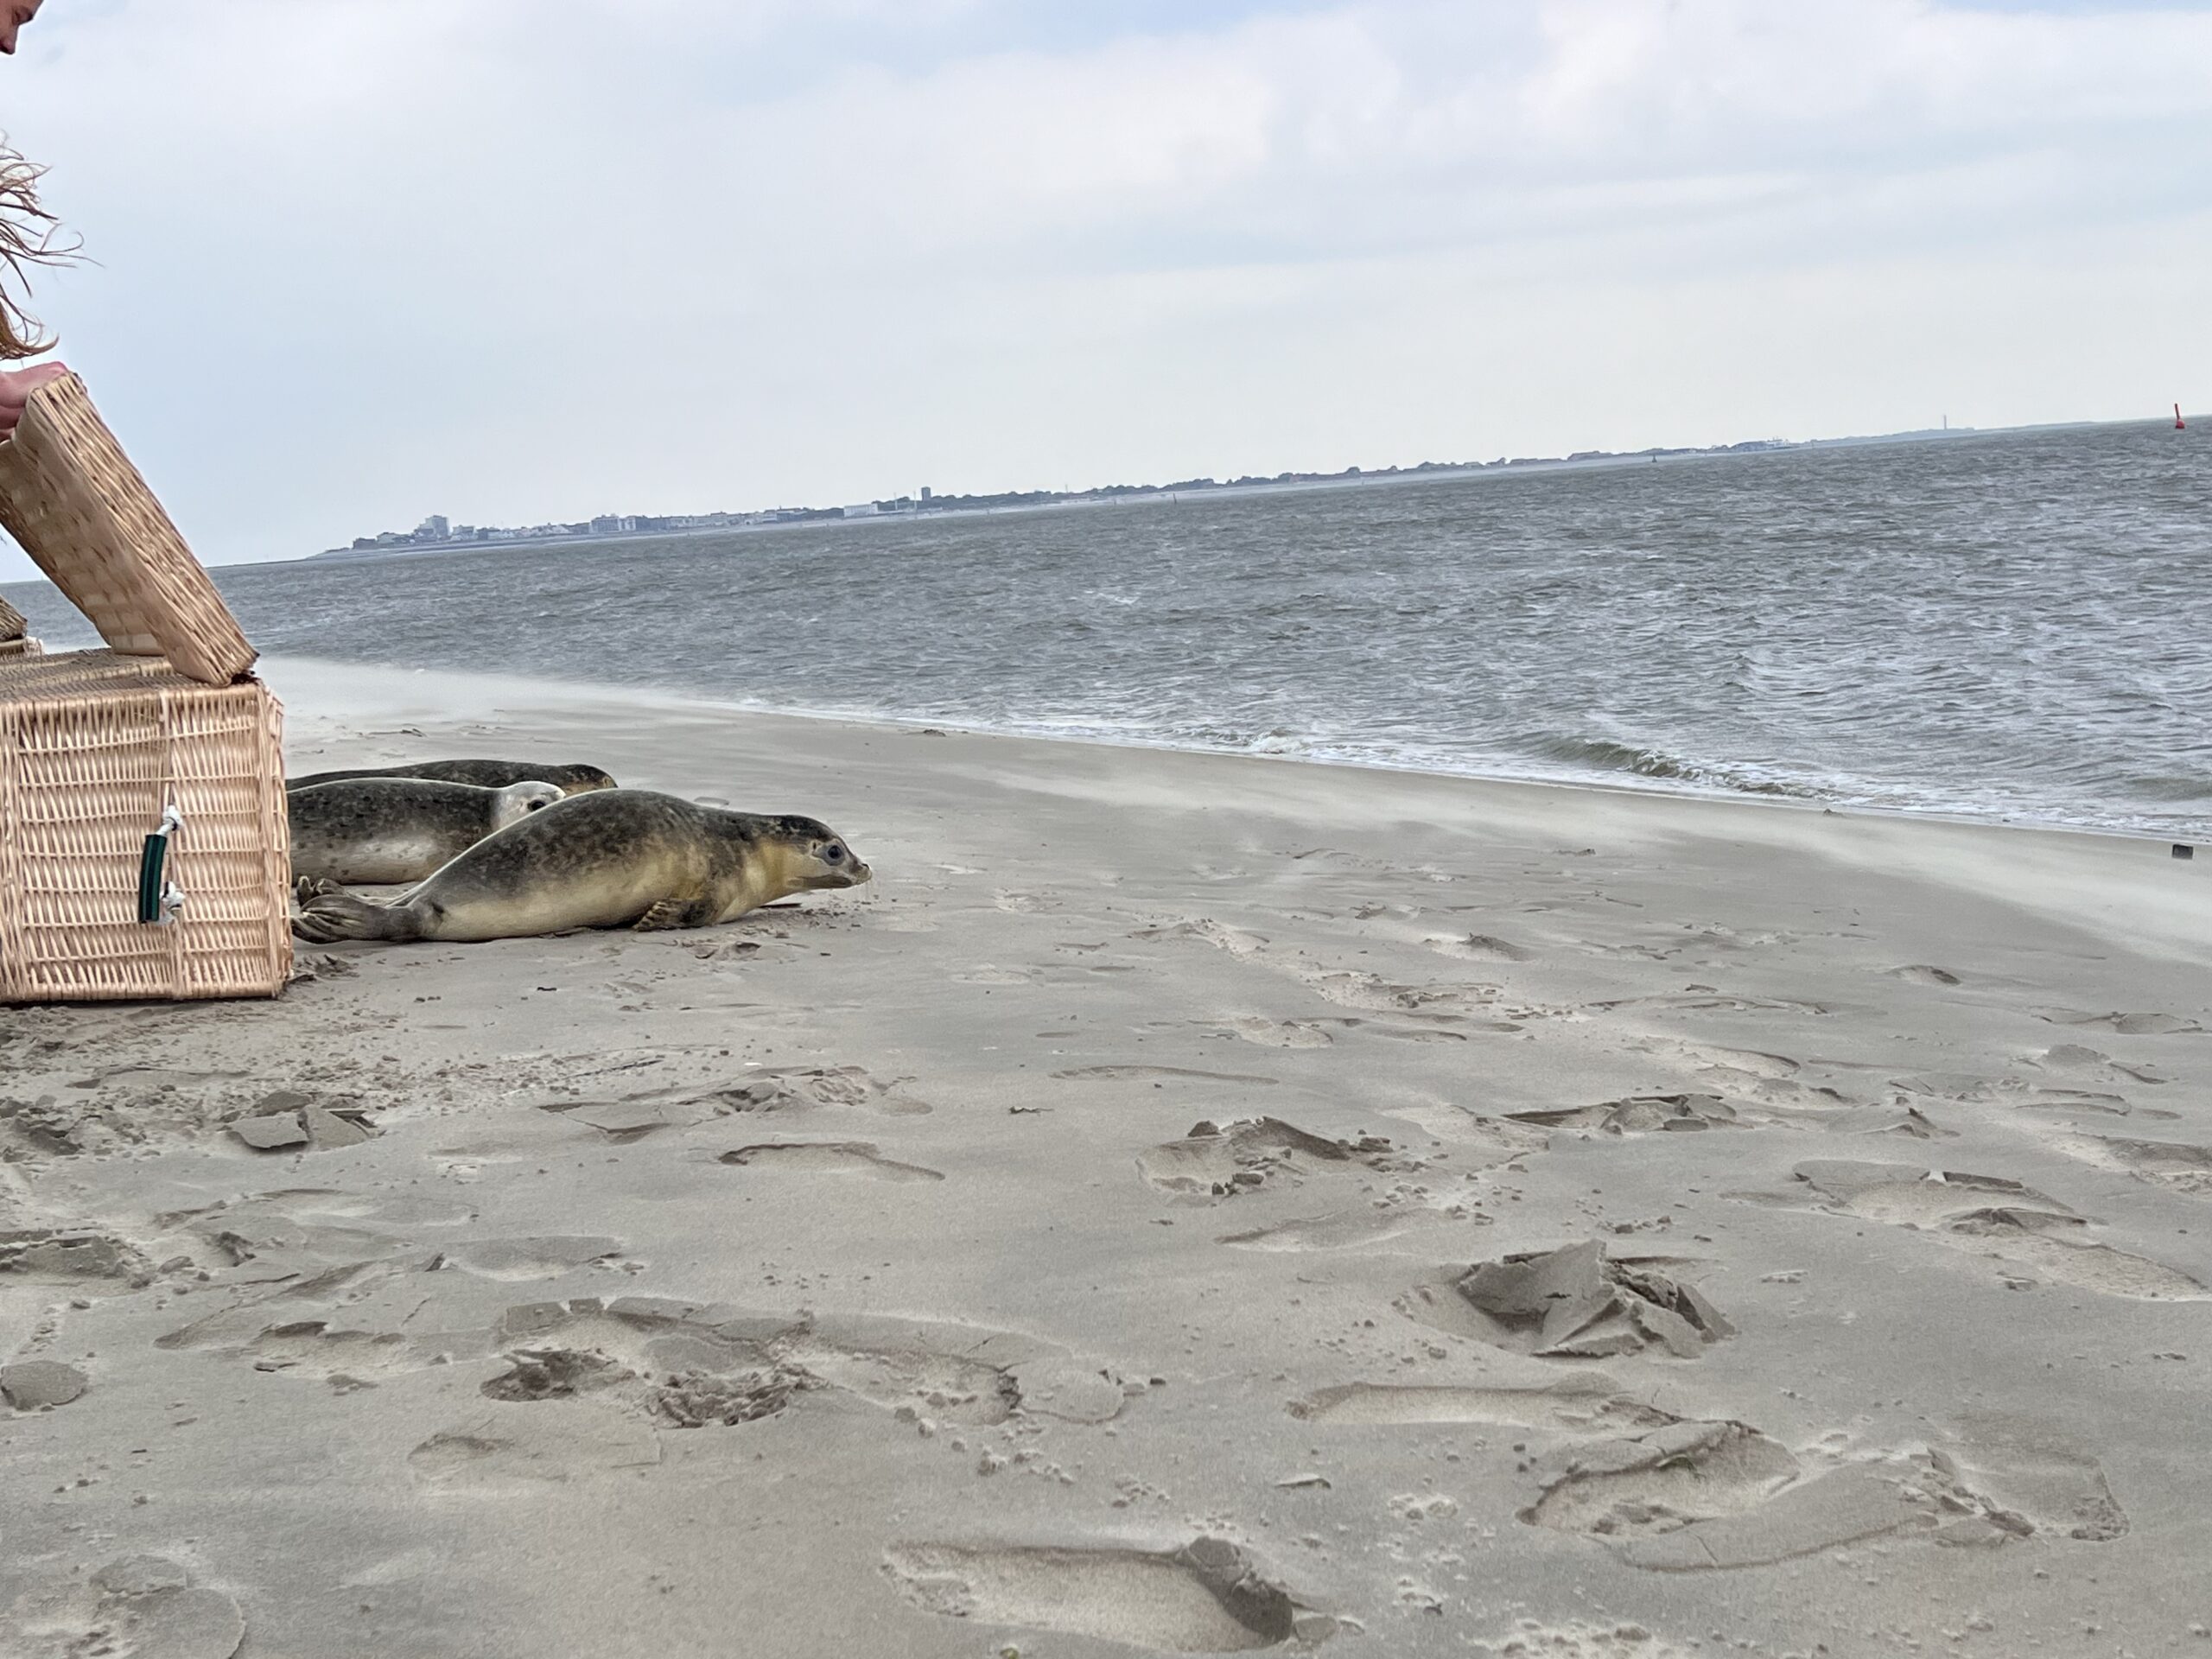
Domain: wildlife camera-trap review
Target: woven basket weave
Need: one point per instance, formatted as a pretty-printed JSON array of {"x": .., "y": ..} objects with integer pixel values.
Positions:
[
  {"x": 78, "y": 507},
  {"x": 94, "y": 748},
  {"x": 12, "y": 623}
]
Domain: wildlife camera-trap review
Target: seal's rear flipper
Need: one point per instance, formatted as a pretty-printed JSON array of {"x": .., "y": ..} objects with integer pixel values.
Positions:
[{"x": 331, "y": 916}]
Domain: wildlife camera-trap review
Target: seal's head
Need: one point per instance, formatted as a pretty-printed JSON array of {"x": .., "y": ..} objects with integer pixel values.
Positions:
[
  {"x": 575, "y": 780},
  {"x": 518, "y": 801},
  {"x": 815, "y": 856}
]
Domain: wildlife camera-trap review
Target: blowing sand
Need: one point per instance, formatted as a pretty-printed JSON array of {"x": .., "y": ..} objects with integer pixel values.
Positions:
[{"x": 1188, "y": 1203}]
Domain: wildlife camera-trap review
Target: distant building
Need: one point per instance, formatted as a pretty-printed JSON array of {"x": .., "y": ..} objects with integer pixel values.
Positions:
[
  {"x": 433, "y": 529},
  {"x": 925, "y": 492},
  {"x": 862, "y": 510},
  {"x": 611, "y": 524}
]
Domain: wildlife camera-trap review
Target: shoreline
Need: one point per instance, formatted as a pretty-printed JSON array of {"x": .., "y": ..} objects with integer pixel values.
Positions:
[{"x": 557, "y": 691}]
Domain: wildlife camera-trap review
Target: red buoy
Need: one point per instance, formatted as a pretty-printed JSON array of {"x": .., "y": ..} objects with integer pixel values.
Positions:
[{"x": 2180, "y": 425}]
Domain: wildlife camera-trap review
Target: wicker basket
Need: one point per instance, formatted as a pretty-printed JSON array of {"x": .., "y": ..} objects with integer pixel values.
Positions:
[
  {"x": 144, "y": 847},
  {"x": 71, "y": 496}
]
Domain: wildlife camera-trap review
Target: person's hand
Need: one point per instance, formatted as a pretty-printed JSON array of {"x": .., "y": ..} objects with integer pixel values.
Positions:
[{"x": 15, "y": 390}]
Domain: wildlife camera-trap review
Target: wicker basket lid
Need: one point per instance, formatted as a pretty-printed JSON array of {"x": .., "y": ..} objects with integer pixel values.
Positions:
[
  {"x": 78, "y": 507},
  {"x": 12, "y": 622}
]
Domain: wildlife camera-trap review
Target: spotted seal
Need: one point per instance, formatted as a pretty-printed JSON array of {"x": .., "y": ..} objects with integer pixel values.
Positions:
[
  {"x": 573, "y": 779},
  {"x": 399, "y": 828},
  {"x": 610, "y": 858}
]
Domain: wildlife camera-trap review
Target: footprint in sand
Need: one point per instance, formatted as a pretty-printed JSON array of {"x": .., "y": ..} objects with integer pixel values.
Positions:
[
  {"x": 1237, "y": 941},
  {"x": 1208, "y": 1596},
  {"x": 827, "y": 1158},
  {"x": 2002, "y": 1479},
  {"x": 1990, "y": 1215},
  {"x": 1691, "y": 1496},
  {"x": 682, "y": 1366},
  {"x": 1669, "y": 1495},
  {"x": 687, "y": 1398},
  {"x": 1369, "y": 992},
  {"x": 145, "y": 1606},
  {"x": 1224, "y": 1160},
  {"x": 1574, "y": 1303},
  {"x": 1642, "y": 1115},
  {"x": 515, "y": 1452}
]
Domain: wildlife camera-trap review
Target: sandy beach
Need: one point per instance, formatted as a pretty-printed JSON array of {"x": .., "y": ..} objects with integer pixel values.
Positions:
[{"x": 1188, "y": 1203}]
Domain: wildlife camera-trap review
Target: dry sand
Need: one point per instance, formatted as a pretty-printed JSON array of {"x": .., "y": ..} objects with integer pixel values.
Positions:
[{"x": 1100, "y": 1234}]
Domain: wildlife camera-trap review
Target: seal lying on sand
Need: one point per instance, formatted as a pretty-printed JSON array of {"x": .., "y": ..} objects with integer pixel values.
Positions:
[
  {"x": 608, "y": 859},
  {"x": 399, "y": 828},
  {"x": 485, "y": 774}
]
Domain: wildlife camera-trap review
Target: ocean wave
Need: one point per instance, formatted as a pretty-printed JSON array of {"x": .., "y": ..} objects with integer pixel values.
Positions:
[
  {"x": 1604, "y": 755},
  {"x": 2169, "y": 787}
]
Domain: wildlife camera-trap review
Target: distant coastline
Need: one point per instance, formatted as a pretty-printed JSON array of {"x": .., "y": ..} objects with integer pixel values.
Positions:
[
  {"x": 435, "y": 535},
  {"x": 439, "y": 535}
]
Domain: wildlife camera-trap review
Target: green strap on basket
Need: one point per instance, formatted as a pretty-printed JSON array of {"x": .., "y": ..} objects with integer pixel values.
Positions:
[
  {"x": 150, "y": 875},
  {"x": 159, "y": 901}
]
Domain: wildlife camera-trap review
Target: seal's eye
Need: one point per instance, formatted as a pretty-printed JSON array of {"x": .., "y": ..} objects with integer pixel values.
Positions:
[{"x": 832, "y": 852}]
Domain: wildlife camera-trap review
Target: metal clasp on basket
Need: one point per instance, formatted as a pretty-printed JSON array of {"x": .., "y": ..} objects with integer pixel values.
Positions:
[{"x": 159, "y": 901}]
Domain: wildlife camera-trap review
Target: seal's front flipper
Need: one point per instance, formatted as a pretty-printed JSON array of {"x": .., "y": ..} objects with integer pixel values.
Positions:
[
  {"x": 675, "y": 913},
  {"x": 329, "y": 917}
]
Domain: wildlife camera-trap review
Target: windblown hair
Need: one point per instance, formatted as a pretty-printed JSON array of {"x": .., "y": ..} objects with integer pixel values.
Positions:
[{"x": 28, "y": 236}]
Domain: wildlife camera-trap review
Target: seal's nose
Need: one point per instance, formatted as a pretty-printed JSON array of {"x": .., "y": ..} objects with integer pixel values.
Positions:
[{"x": 862, "y": 873}]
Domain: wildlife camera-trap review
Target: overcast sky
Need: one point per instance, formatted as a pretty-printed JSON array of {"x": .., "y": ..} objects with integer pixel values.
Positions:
[{"x": 515, "y": 260}]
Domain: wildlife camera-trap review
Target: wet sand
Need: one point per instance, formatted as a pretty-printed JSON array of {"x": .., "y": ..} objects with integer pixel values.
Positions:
[{"x": 1188, "y": 1203}]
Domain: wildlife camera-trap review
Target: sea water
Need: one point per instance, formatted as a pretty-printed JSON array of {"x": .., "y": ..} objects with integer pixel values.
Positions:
[{"x": 2013, "y": 626}]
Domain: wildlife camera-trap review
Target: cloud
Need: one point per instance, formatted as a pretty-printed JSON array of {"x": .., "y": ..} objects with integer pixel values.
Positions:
[{"x": 515, "y": 259}]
